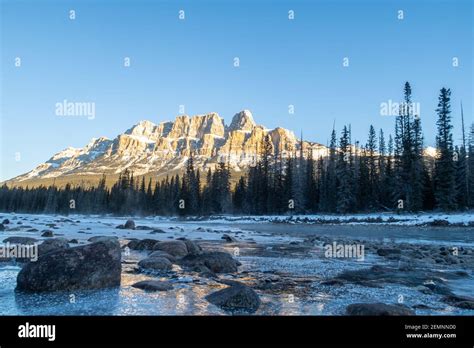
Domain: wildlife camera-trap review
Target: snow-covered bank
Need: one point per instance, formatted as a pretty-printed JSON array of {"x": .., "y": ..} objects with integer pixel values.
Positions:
[
  {"x": 465, "y": 219},
  {"x": 423, "y": 219}
]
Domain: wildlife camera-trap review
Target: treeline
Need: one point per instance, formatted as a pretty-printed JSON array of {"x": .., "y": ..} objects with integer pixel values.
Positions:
[{"x": 380, "y": 175}]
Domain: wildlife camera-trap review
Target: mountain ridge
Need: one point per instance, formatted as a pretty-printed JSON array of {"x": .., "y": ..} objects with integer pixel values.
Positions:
[{"x": 158, "y": 149}]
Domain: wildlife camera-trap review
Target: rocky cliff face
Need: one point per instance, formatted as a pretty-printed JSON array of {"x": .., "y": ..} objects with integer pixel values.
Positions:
[{"x": 149, "y": 148}]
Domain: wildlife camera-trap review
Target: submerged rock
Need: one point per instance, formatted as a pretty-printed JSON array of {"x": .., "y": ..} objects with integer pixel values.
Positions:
[
  {"x": 20, "y": 240},
  {"x": 155, "y": 264},
  {"x": 91, "y": 266},
  {"x": 459, "y": 301},
  {"x": 144, "y": 244},
  {"x": 102, "y": 238},
  {"x": 228, "y": 238},
  {"x": 388, "y": 251},
  {"x": 153, "y": 285},
  {"x": 236, "y": 298},
  {"x": 215, "y": 261},
  {"x": 193, "y": 248},
  {"x": 161, "y": 253},
  {"x": 175, "y": 248},
  {"x": 129, "y": 225},
  {"x": 144, "y": 228},
  {"x": 47, "y": 233},
  {"x": 378, "y": 309}
]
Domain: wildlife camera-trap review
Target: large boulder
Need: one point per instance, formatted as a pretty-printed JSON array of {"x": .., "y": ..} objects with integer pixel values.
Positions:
[
  {"x": 378, "y": 309},
  {"x": 20, "y": 240},
  {"x": 144, "y": 244},
  {"x": 102, "y": 238},
  {"x": 153, "y": 285},
  {"x": 154, "y": 264},
  {"x": 215, "y": 261},
  {"x": 176, "y": 248},
  {"x": 193, "y": 248},
  {"x": 93, "y": 266},
  {"x": 161, "y": 253},
  {"x": 52, "y": 245},
  {"x": 236, "y": 298}
]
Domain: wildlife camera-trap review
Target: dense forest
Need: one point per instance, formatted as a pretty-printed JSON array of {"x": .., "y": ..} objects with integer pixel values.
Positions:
[{"x": 385, "y": 174}]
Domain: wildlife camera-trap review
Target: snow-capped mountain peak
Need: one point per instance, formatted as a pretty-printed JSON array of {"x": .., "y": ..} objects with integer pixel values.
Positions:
[{"x": 157, "y": 149}]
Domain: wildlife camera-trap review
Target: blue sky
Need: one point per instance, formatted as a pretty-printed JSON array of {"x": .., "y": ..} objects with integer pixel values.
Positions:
[{"x": 190, "y": 62}]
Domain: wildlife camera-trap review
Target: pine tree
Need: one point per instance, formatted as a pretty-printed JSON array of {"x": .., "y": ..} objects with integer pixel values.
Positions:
[
  {"x": 445, "y": 184},
  {"x": 345, "y": 194},
  {"x": 373, "y": 186}
]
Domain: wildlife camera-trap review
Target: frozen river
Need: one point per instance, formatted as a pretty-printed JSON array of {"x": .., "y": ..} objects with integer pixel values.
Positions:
[{"x": 277, "y": 260}]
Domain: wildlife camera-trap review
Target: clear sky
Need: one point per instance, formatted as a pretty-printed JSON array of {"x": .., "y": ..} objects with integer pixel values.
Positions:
[{"x": 191, "y": 62}]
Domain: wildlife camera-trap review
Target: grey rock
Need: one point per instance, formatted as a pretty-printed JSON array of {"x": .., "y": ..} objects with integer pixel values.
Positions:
[
  {"x": 92, "y": 266},
  {"x": 144, "y": 244},
  {"x": 20, "y": 240},
  {"x": 236, "y": 298},
  {"x": 161, "y": 253},
  {"x": 387, "y": 251},
  {"x": 215, "y": 261},
  {"x": 153, "y": 285},
  {"x": 378, "y": 309},
  {"x": 155, "y": 264},
  {"x": 52, "y": 245},
  {"x": 228, "y": 238},
  {"x": 176, "y": 248},
  {"x": 47, "y": 233}
]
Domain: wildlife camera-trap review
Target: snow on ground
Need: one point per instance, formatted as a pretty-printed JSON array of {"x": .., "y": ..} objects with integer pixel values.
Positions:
[
  {"x": 84, "y": 227},
  {"x": 466, "y": 219}
]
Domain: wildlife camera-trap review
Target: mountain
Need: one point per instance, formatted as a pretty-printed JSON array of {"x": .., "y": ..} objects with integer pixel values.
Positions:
[{"x": 164, "y": 148}]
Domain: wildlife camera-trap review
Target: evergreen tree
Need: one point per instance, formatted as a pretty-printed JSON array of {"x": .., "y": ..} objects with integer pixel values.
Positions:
[{"x": 445, "y": 183}]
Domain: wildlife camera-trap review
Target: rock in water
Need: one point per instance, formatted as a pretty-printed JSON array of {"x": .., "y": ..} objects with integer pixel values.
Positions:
[
  {"x": 215, "y": 261},
  {"x": 236, "y": 298},
  {"x": 160, "y": 253},
  {"x": 175, "y": 248},
  {"x": 20, "y": 240},
  {"x": 378, "y": 309},
  {"x": 193, "y": 248},
  {"x": 155, "y": 264},
  {"x": 92, "y": 266},
  {"x": 388, "y": 251},
  {"x": 228, "y": 238},
  {"x": 153, "y": 285},
  {"x": 52, "y": 245},
  {"x": 144, "y": 244},
  {"x": 130, "y": 225},
  {"x": 47, "y": 233},
  {"x": 101, "y": 238}
]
